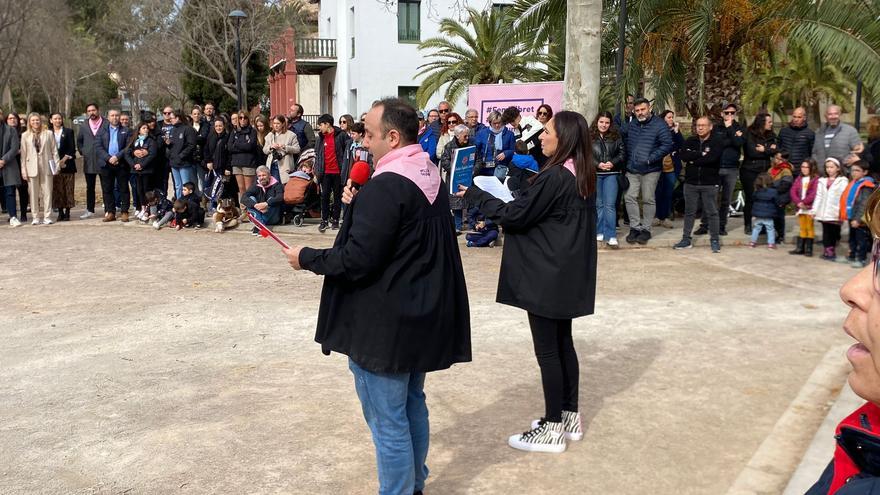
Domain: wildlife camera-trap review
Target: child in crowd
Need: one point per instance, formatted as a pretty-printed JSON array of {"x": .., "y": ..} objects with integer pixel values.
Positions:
[
  {"x": 523, "y": 166},
  {"x": 190, "y": 194},
  {"x": 485, "y": 231},
  {"x": 852, "y": 210},
  {"x": 188, "y": 215},
  {"x": 764, "y": 210},
  {"x": 161, "y": 209},
  {"x": 826, "y": 206},
  {"x": 226, "y": 215},
  {"x": 803, "y": 195},
  {"x": 194, "y": 211},
  {"x": 780, "y": 173}
]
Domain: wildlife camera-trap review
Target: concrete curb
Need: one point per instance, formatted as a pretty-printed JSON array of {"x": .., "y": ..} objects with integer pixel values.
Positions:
[{"x": 772, "y": 465}]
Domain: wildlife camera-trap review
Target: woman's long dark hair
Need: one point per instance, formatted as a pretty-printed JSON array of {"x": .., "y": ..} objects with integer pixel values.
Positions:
[
  {"x": 573, "y": 134},
  {"x": 137, "y": 132},
  {"x": 757, "y": 127},
  {"x": 612, "y": 134}
]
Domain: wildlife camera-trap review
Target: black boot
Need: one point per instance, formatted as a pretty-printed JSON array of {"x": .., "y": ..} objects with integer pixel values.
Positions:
[
  {"x": 808, "y": 247},
  {"x": 800, "y": 247}
]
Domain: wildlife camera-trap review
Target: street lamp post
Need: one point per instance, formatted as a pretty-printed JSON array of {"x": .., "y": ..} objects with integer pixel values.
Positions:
[{"x": 237, "y": 16}]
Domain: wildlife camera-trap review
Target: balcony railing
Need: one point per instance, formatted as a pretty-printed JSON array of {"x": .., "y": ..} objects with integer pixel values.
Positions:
[{"x": 316, "y": 48}]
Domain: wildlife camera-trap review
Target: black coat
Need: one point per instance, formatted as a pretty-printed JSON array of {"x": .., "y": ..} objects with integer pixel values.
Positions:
[
  {"x": 548, "y": 266},
  {"x": 613, "y": 151},
  {"x": 798, "y": 141},
  {"x": 67, "y": 147},
  {"x": 215, "y": 152},
  {"x": 242, "y": 147},
  {"x": 182, "y": 149},
  {"x": 732, "y": 143},
  {"x": 205, "y": 128},
  {"x": 152, "y": 146},
  {"x": 341, "y": 142},
  {"x": 758, "y": 161},
  {"x": 702, "y": 159},
  {"x": 394, "y": 297}
]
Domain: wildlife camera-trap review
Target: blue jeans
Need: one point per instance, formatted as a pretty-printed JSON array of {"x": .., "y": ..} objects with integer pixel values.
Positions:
[
  {"x": 456, "y": 215},
  {"x": 395, "y": 410},
  {"x": 271, "y": 217},
  {"x": 665, "y": 188},
  {"x": 180, "y": 176},
  {"x": 766, "y": 223},
  {"x": 606, "y": 199},
  {"x": 9, "y": 197}
]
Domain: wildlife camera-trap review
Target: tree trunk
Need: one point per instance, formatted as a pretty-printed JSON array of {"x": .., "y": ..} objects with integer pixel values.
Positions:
[
  {"x": 583, "y": 47},
  {"x": 721, "y": 85}
]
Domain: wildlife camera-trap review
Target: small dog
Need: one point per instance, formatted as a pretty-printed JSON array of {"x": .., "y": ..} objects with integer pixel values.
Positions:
[{"x": 227, "y": 216}]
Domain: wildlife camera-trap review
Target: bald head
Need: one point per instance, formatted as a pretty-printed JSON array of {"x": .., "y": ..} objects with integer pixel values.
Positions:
[
  {"x": 703, "y": 127},
  {"x": 832, "y": 115},
  {"x": 798, "y": 117}
]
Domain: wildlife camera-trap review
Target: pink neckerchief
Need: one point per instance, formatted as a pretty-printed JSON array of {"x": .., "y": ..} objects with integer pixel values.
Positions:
[
  {"x": 414, "y": 164},
  {"x": 569, "y": 164},
  {"x": 94, "y": 126}
]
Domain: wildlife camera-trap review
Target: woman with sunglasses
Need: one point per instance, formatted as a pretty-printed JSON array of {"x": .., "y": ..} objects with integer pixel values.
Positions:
[
  {"x": 446, "y": 134},
  {"x": 242, "y": 148},
  {"x": 544, "y": 114},
  {"x": 854, "y": 467},
  {"x": 345, "y": 122}
]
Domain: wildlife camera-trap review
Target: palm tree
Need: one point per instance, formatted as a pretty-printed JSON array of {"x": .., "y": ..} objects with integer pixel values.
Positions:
[
  {"x": 796, "y": 78},
  {"x": 459, "y": 58},
  {"x": 583, "y": 41}
]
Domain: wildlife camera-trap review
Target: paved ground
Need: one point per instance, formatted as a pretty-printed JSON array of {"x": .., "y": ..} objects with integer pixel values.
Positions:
[{"x": 137, "y": 361}]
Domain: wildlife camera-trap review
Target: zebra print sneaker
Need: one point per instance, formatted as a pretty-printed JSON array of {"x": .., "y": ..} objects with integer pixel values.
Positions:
[
  {"x": 547, "y": 437},
  {"x": 571, "y": 424}
]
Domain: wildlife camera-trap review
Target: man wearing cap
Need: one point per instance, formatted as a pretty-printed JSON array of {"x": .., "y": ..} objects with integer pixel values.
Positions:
[
  {"x": 394, "y": 298},
  {"x": 732, "y": 139}
]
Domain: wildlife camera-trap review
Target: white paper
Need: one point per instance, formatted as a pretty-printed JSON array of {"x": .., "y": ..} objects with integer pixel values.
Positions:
[
  {"x": 493, "y": 186},
  {"x": 53, "y": 168}
]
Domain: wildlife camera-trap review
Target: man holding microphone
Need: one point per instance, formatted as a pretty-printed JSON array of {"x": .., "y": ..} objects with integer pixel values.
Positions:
[{"x": 394, "y": 298}]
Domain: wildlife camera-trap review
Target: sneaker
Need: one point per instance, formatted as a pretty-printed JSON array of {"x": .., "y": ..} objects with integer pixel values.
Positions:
[
  {"x": 571, "y": 425},
  {"x": 716, "y": 245},
  {"x": 470, "y": 244},
  {"x": 547, "y": 437},
  {"x": 771, "y": 246},
  {"x": 753, "y": 244},
  {"x": 655, "y": 222},
  {"x": 86, "y": 215},
  {"x": 334, "y": 226},
  {"x": 492, "y": 244},
  {"x": 701, "y": 231},
  {"x": 14, "y": 222},
  {"x": 722, "y": 232},
  {"x": 156, "y": 225},
  {"x": 36, "y": 222},
  {"x": 600, "y": 237},
  {"x": 683, "y": 244},
  {"x": 644, "y": 237},
  {"x": 667, "y": 223},
  {"x": 255, "y": 231},
  {"x": 859, "y": 264},
  {"x": 632, "y": 236},
  {"x": 322, "y": 227},
  {"x": 613, "y": 244},
  {"x": 47, "y": 221}
]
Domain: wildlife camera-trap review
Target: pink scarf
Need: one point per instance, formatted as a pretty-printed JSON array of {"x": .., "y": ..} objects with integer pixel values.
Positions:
[
  {"x": 569, "y": 165},
  {"x": 95, "y": 125},
  {"x": 414, "y": 164}
]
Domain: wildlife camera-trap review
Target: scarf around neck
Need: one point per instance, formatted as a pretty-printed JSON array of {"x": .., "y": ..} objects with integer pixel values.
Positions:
[{"x": 414, "y": 164}]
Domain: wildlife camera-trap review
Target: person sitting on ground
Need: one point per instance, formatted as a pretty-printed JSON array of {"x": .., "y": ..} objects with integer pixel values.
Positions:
[
  {"x": 226, "y": 215},
  {"x": 853, "y": 204},
  {"x": 853, "y": 468},
  {"x": 264, "y": 198},
  {"x": 485, "y": 231},
  {"x": 161, "y": 208},
  {"x": 190, "y": 194},
  {"x": 764, "y": 210},
  {"x": 826, "y": 206},
  {"x": 803, "y": 194},
  {"x": 188, "y": 215}
]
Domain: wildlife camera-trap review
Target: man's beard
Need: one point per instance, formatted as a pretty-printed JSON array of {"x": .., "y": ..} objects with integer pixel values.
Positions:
[{"x": 641, "y": 118}]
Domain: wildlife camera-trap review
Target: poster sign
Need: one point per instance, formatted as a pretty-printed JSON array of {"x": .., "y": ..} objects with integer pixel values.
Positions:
[
  {"x": 487, "y": 98},
  {"x": 462, "y": 172}
]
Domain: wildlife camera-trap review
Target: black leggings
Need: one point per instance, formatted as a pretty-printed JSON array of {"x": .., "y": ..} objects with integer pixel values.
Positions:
[
  {"x": 558, "y": 361},
  {"x": 830, "y": 234},
  {"x": 141, "y": 186}
]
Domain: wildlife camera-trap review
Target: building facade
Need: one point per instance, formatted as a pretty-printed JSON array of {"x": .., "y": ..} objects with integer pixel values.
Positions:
[{"x": 368, "y": 49}]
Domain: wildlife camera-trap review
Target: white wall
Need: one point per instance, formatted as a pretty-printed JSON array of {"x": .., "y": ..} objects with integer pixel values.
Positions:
[{"x": 381, "y": 63}]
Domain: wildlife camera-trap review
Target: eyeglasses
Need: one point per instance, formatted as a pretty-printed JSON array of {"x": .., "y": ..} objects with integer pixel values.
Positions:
[
  {"x": 452, "y": 122},
  {"x": 543, "y": 113},
  {"x": 166, "y": 113},
  {"x": 875, "y": 261},
  {"x": 729, "y": 112},
  {"x": 445, "y": 110}
]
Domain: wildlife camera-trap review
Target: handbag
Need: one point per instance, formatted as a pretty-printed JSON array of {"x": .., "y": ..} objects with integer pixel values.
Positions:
[
  {"x": 622, "y": 181},
  {"x": 215, "y": 185}
]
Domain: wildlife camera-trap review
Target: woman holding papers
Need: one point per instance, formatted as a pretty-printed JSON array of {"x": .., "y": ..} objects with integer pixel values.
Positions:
[
  {"x": 462, "y": 140},
  {"x": 39, "y": 159},
  {"x": 548, "y": 268}
]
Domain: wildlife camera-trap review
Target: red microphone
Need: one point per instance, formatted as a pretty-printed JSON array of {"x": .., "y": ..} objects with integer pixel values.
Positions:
[{"x": 360, "y": 174}]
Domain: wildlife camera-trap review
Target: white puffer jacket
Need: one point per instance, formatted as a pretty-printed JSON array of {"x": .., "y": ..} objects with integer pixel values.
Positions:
[{"x": 826, "y": 207}]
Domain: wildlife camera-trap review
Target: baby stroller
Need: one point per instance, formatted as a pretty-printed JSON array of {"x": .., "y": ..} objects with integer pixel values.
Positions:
[{"x": 310, "y": 207}]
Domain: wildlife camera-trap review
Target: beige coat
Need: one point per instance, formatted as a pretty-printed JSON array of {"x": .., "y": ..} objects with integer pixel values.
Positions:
[
  {"x": 33, "y": 163},
  {"x": 291, "y": 148}
]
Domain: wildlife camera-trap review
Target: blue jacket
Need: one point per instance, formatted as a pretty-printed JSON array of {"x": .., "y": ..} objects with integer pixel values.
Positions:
[
  {"x": 484, "y": 148},
  {"x": 764, "y": 203},
  {"x": 102, "y": 145},
  {"x": 646, "y": 144},
  {"x": 525, "y": 162},
  {"x": 428, "y": 140}
]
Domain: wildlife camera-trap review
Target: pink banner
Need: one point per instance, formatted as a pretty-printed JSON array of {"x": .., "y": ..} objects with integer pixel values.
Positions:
[{"x": 525, "y": 96}]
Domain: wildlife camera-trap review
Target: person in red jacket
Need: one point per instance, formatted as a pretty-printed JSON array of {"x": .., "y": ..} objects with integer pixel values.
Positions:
[{"x": 855, "y": 468}]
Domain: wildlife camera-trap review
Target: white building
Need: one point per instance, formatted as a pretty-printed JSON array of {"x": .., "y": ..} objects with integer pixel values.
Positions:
[{"x": 377, "y": 49}]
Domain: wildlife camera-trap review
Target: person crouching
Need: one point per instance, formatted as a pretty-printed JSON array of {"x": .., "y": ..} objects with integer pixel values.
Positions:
[
  {"x": 188, "y": 214},
  {"x": 264, "y": 198}
]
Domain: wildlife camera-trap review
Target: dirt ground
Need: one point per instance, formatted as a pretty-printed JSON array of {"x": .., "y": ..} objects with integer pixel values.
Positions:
[{"x": 145, "y": 362}]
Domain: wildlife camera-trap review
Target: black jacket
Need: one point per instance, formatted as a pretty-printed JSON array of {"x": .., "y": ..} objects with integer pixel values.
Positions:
[
  {"x": 181, "y": 151},
  {"x": 341, "y": 141},
  {"x": 146, "y": 162},
  {"x": 242, "y": 147},
  {"x": 798, "y": 141},
  {"x": 394, "y": 297},
  {"x": 548, "y": 266},
  {"x": 764, "y": 203},
  {"x": 67, "y": 147},
  {"x": 272, "y": 194},
  {"x": 702, "y": 159},
  {"x": 205, "y": 129},
  {"x": 758, "y": 161},
  {"x": 215, "y": 152},
  {"x": 731, "y": 142},
  {"x": 613, "y": 151},
  {"x": 855, "y": 468}
]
